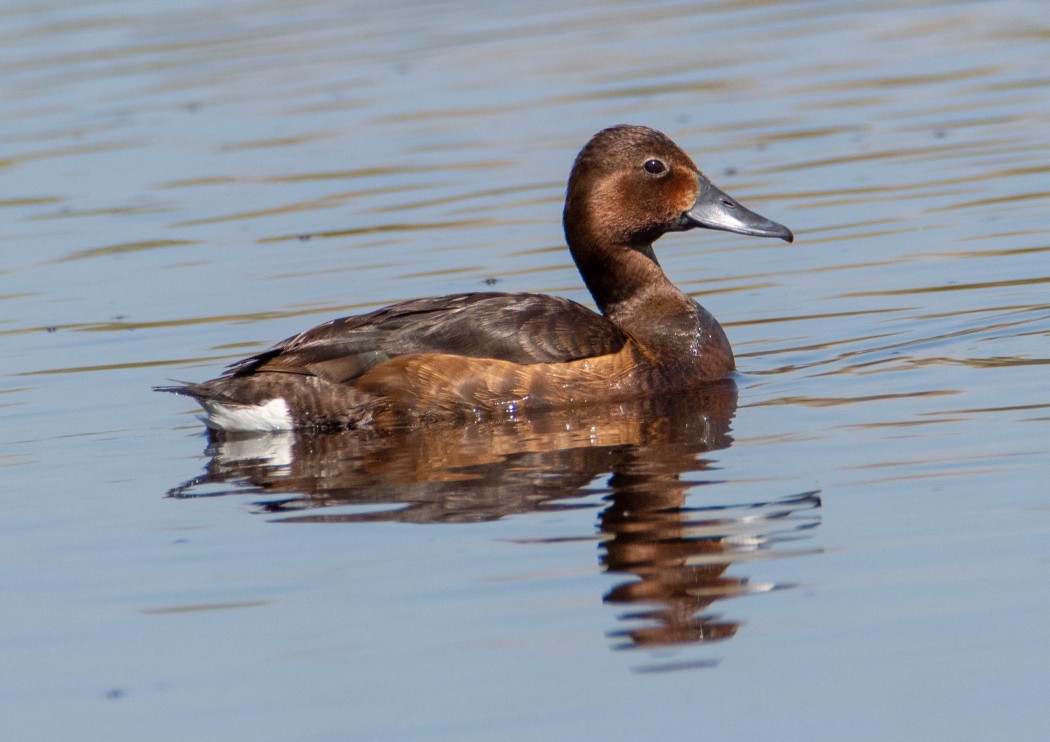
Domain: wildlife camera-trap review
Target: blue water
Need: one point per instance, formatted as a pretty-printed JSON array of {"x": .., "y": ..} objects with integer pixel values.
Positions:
[{"x": 848, "y": 543}]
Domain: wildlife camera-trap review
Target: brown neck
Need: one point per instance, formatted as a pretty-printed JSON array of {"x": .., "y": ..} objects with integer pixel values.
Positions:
[{"x": 631, "y": 289}]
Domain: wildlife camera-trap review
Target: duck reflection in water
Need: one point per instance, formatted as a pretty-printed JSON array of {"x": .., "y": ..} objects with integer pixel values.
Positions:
[{"x": 673, "y": 552}]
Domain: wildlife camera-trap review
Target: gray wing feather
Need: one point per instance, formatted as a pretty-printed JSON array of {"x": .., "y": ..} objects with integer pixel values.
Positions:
[{"x": 521, "y": 328}]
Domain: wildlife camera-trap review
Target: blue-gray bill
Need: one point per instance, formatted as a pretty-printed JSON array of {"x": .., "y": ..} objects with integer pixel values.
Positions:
[{"x": 715, "y": 209}]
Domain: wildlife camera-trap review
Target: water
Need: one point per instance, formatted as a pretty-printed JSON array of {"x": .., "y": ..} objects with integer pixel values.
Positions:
[{"x": 848, "y": 542}]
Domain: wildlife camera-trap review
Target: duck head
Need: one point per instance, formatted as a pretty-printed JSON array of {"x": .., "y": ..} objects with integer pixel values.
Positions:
[{"x": 631, "y": 184}]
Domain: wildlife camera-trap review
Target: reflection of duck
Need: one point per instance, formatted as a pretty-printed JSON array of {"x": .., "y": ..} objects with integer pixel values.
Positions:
[
  {"x": 671, "y": 554},
  {"x": 481, "y": 354},
  {"x": 676, "y": 556},
  {"x": 483, "y": 471}
]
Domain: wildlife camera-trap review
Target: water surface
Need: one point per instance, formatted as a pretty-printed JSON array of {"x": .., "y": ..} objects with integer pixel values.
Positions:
[{"x": 847, "y": 541}]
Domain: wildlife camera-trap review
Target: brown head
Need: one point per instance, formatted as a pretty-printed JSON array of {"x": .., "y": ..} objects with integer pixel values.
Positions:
[{"x": 630, "y": 185}]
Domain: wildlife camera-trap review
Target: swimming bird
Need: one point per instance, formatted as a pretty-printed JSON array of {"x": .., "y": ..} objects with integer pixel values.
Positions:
[{"x": 474, "y": 355}]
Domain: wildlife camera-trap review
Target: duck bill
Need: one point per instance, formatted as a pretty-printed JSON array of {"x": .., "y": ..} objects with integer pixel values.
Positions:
[{"x": 715, "y": 209}]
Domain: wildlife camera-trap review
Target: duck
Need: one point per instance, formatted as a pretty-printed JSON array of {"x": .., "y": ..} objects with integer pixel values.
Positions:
[{"x": 478, "y": 355}]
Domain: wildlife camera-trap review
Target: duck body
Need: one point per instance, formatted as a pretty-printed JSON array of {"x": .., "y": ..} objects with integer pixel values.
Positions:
[{"x": 481, "y": 354}]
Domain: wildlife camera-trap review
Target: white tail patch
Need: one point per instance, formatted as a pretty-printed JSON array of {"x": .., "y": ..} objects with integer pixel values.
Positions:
[{"x": 262, "y": 418}]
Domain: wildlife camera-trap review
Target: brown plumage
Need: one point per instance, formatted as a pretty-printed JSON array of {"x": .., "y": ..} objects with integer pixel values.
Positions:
[{"x": 479, "y": 354}]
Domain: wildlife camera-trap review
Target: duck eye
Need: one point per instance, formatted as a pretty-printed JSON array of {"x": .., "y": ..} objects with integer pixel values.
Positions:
[{"x": 654, "y": 166}]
